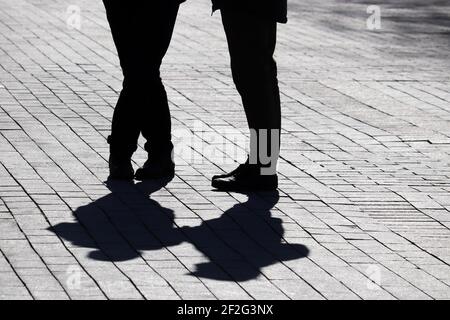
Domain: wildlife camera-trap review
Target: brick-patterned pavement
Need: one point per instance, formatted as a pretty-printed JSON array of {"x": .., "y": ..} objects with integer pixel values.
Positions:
[{"x": 363, "y": 207}]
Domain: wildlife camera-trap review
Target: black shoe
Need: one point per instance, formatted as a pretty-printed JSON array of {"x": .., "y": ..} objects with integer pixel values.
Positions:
[
  {"x": 120, "y": 169},
  {"x": 246, "y": 177},
  {"x": 156, "y": 169}
]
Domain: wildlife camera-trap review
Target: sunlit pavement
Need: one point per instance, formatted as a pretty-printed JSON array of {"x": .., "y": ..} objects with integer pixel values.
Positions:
[{"x": 363, "y": 206}]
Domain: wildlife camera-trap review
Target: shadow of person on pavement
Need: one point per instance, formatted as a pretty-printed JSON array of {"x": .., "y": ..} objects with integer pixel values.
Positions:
[
  {"x": 126, "y": 224},
  {"x": 121, "y": 224},
  {"x": 255, "y": 237}
]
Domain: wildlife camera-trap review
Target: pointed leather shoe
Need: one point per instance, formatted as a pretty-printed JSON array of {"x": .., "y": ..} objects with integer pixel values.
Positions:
[{"x": 245, "y": 178}]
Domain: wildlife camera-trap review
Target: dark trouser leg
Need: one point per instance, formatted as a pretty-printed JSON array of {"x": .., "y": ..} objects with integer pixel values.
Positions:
[
  {"x": 251, "y": 42},
  {"x": 142, "y": 33}
]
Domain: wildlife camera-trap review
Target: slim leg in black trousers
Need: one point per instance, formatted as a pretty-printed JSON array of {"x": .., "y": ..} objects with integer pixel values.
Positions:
[
  {"x": 142, "y": 31},
  {"x": 251, "y": 41}
]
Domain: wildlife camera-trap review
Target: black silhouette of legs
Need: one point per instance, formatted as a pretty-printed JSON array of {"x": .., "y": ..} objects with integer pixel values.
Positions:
[
  {"x": 142, "y": 34},
  {"x": 251, "y": 41}
]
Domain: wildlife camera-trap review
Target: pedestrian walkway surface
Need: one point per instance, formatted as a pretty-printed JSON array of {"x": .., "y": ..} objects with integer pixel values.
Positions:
[{"x": 363, "y": 206}]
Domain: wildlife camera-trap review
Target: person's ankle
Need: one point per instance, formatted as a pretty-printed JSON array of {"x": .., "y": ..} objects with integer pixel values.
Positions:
[{"x": 257, "y": 167}]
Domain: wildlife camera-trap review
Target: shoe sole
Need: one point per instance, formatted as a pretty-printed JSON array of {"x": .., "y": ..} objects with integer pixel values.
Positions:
[
  {"x": 229, "y": 188},
  {"x": 121, "y": 178},
  {"x": 143, "y": 177}
]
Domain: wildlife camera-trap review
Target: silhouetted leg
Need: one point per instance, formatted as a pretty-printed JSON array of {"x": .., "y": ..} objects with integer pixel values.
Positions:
[
  {"x": 155, "y": 117},
  {"x": 251, "y": 41},
  {"x": 124, "y": 131},
  {"x": 142, "y": 33}
]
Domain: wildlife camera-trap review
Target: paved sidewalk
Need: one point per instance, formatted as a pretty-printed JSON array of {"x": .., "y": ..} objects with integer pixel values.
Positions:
[{"x": 363, "y": 207}]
